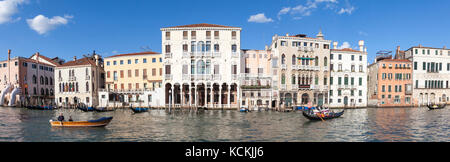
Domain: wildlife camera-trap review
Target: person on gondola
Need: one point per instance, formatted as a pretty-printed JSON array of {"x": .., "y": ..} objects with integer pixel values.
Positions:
[
  {"x": 70, "y": 119},
  {"x": 61, "y": 117}
]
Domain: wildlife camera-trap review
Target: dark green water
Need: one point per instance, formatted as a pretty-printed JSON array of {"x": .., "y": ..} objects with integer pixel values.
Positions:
[{"x": 401, "y": 124}]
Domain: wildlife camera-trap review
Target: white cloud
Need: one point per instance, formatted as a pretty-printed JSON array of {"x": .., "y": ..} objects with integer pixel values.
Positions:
[
  {"x": 8, "y": 8},
  {"x": 259, "y": 18},
  {"x": 361, "y": 33},
  {"x": 344, "y": 45},
  {"x": 347, "y": 10},
  {"x": 42, "y": 24},
  {"x": 304, "y": 10}
]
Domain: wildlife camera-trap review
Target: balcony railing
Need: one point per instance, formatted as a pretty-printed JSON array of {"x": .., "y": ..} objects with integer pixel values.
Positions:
[
  {"x": 186, "y": 77},
  {"x": 88, "y": 77},
  {"x": 234, "y": 54},
  {"x": 283, "y": 87},
  {"x": 72, "y": 78},
  {"x": 217, "y": 77},
  {"x": 283, "y": 66},
  {"x": 168, "y": 55},
  {"x": 325, "y": 68},
  {"x": 234, "y": 77},
  {"x": 294, "y": 67},
  {"x": 168, "y": 77},
  {"x": 295, "y": 87},
  {"x": 309, "y": 68}
]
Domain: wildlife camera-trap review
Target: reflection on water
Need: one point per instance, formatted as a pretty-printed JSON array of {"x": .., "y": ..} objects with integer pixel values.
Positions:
[{"x": 400, "y": 124}]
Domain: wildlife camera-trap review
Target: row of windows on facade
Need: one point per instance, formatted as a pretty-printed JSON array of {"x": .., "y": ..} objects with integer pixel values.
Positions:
[
  {"x": 259, "y": 94},
  {"x": 201, "y": 68},
  {"x": 397, "y": 66},
  {"x": 44, "y": 92},
  {"x": 302, "y": 80},
  {"x": 136, "y": 73},
  {"x": 352, "y": 93},
  {"x": 428, "y": 52},
  {"x": 397, "y": 88},
  {"x": 398, "y": 76},
  {"x": 397, "y": 99},
  {"x": 304, "y": 60},
  {"x": 207, "y": 33},
  {"x": 305, "y": 44},
  {"x": 67, "y": 100},
  {"x": 361, "y": 68},
  {"x": 136, "y": 61},
  {"x": 247, "y": 55},
  {"x": 71, "y": 87},
  {"x": 34, "y": 66},
  {"x": 340, "y": 57},
  {"x": 137, "y": 86},
  {"x": 433, "y": 84},
  {"x": 201, "y": 47},
  {"x": 72, "y": 73},
  {"x": 432, "y": 67},
  {"x": 43, "y": 80},
  {"x": 340, "y": 101},
  {"x": 352, "y": 79}
]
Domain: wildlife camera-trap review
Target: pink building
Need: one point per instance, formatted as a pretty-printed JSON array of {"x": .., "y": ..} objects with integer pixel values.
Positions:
[
  {"x": 27, "y": 81},
  {"x": 256, "y": 79}
]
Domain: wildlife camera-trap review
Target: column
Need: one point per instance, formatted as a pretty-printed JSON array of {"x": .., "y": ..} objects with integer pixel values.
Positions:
[
  {"x": 173, "y": 94},
  {"x": 182, "y": 96},
  {"x": 238, "y": 97},
  {"x": 206, "y": 101},
  {"x": 229, "y": 96},
  {"x": 196, "y": 96},
  {"x": 211, "y": 96},
  {"x": 220, "y": 95}
]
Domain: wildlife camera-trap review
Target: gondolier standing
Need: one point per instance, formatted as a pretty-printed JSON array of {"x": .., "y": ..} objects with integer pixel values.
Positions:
[{"x": 61, "y": 117}]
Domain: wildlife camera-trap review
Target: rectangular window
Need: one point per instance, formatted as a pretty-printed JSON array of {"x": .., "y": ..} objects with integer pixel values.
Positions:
[
  {"x": 208, "y": 34},
  {"x": 129, "y": 74},
  {"x": 233, "y": 35},
  {"x": 121, "y": 74},
  {"x": 136, "y": 73},
  {"x": 167, "y": 35},
  {"x": 185, "y": 35},
  {"x": 153, "y": 60},
  {"x": 415, "y": 65},
  {"x": 216, "y": 34},
  {"x": 144, "y": 60},
  {"x": 153, "y": 72},
  {"x": 193, "y": 34}
]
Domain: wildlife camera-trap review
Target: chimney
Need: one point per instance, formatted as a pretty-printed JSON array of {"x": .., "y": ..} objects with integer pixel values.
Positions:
[
  {"x": 9, "y": 54},
  {"x": 37, "y": 56},
  {"x": 361, "y": 45},
  {"x": 74, "y": 58},
  {"x": 335, "y": 44}
]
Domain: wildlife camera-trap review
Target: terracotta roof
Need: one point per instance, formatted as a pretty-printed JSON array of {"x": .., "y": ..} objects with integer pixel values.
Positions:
[
  {"x": 135, "y": 54},
  {"x": 346, "y": 50},
  {"x": 202, "y": 25},
  {"x": 47, "y": 59},
  {"x": 83, "y": 61}
]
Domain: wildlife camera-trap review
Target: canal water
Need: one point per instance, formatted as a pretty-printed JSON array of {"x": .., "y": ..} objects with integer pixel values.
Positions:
[{"x": 358, "y": 125}]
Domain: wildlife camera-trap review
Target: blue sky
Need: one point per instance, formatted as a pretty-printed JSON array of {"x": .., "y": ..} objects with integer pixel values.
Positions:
[{"x": 68, "y": 28}]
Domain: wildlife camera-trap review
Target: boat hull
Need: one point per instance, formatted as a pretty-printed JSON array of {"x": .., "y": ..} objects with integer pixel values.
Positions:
[
  {"x": 139, "y": 110},
  {"x": 92, "y": 123},
  {"x": 434, "y": 107},
  {"x": 315, "y": 117}
]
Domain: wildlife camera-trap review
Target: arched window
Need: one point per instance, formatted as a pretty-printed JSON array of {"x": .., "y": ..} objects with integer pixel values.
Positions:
[
  {"x": 293, "y": 60},
  {"x": 283, "y": 79},
  {"x": 47, "y": 92},
  {"x": 325, "y": 61},
  {"x": 87, "y": 86},
  {"x": 283, "y": 59},
  {"x": 201, "y": 67},
  {"x": 51, "y": 92},
  {"x": 46, "y": 80},
  {"x": 303, "y": 60},
  {"x": 59, "y": 74},
  {"x": 42, "y": 91},
  {"x": 317, "y": 61},
  {"x": 34, "y": 79},
  {"x": 42, "y": 80},
  {"x": 201, "y": 46},
  {"x": 34, "y": 91},
  {"x": 51, "y": 81},
  {"x": 77, "y": 90},
  {"x": 293, "y": 79}
]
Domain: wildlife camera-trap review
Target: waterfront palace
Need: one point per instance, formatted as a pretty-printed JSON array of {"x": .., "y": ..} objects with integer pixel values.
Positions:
[{"x": 202, "y": 65}]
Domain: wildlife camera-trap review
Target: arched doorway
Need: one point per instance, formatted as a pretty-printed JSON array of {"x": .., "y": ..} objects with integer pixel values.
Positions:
[
  {"x": 345, "y": 101},
  {"x": 288, "y": 99},
  {"x": 305, "y": 99},
  {"x": 320, "y": 103}
]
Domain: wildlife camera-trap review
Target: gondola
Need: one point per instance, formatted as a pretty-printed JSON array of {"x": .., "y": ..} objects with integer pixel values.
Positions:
[
  {"x": 139, "y": 110},
  {"x": 436, "y": 106},
  {"x": 85, "y": 109},
  {"x": 90, "y": 123},
  {"x": 311, "y": 116},
  {"x": 102, "y": 109}
]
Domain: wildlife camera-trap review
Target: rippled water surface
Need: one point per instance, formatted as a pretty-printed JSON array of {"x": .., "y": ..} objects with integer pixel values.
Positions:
[{"x": 393, "y": 124}]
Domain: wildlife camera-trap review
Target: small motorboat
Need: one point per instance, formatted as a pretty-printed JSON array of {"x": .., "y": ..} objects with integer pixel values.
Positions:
[
  {"x": 436, "y": 106},
  {"x": 86, "y": 109},
  {"x": 244, "y": 109},
  {"x": 102, "y": 109},
  {"x": 139, "y": 109},
  {"x": 312, "y": 115},
  {"x": 90, "y": 123}
]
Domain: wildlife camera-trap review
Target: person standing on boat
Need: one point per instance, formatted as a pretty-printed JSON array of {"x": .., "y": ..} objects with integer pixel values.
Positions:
[
  {"x": 61, "y": 117},
  {"x": 70, "y": 118}
]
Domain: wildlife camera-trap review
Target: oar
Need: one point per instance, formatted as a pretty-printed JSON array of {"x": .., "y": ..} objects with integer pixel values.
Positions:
[{"x": 320, "y": 117}]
